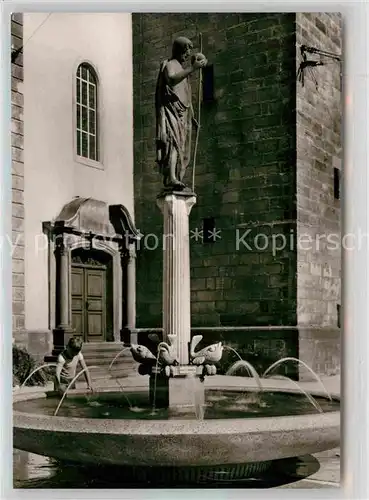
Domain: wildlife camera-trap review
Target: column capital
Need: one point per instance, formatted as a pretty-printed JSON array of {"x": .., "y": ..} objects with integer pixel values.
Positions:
[
  {"x": 123, "y": 252},
  {"x": 169, "y": 198},
  {"x": 60, "y": 246},
  {"x": 132, "y": 251},
  {"x": 127, "y": 253}
]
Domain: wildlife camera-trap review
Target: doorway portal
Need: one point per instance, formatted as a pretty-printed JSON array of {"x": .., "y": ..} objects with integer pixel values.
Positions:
[{"x": 92, "y": 295}]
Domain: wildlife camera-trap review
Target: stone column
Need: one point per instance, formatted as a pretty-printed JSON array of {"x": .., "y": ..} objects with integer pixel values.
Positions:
[
  {"x": 63, "y": 331},
  {"x": 176, "y": 208},
  {"x": 128, "y": 267},
  {"x": 124, "y": 333},
  {"x": 64, "y": 289},
  {"x": 131, "y": 295}
]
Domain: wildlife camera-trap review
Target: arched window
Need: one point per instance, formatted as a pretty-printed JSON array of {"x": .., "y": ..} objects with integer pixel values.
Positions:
[{"x": 87, "y": 112}]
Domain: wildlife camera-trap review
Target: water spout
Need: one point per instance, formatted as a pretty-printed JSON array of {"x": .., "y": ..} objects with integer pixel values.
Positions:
[
  {"x": 117, "y": 356},
  {"x": 315, "y": 375},
  {"x": 122, "y": 389},
  {"x": 305, "y": 393},
  {"x": 249, "y": 367},
  {"x": 199, "y": 404},
  {"x": 70, "y": 385},
  {"x": 234, "y": 350},
  {"x": 36, "y": 370},
  {"x": 155, "y": 383}
]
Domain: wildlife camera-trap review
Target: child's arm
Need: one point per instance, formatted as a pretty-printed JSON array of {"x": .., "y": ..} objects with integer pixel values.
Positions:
[
  {"x": 59, "y": 367},
  {"x": 87, "y": 372}
]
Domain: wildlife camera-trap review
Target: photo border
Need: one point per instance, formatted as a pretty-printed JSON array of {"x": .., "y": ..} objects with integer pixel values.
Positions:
[{"x": 355, "y": 302}]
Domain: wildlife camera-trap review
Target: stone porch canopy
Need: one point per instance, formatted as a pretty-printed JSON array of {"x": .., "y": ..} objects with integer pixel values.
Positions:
[{"x": 83, "y": 216}]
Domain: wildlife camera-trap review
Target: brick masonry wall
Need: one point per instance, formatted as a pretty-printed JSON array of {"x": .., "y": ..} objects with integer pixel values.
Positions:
[
  {"x": 245, "y": 173},
  {"x": 36, "y": 342},
  {"x": 17, "y": 180},
  {"x": 319, "y": 152}
]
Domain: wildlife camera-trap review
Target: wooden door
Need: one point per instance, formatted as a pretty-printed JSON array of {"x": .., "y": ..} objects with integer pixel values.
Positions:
[
  {"x": 95, "y": 283},
  {"x": 78, "y": 301},
  {"x": 89, "y": 303}
]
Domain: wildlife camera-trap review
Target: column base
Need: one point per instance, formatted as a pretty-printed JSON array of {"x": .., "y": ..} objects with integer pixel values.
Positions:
[
  {"x": 61, "y": 336},
  {"x": 128, "y": 336}
]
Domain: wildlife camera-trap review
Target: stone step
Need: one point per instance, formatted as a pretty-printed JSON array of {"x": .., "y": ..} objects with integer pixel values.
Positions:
[
  {"x": 101, "y": 373},
  {"x": 101, "y": 354},
  {"x": 107, "y": 355},
  {"x": 102, "y": 346},
  {"x": 114, "y": 372},
  {"x": 107, "y": 376},
  {"x": 106, "y": 360},
  {"x": 104, "y": 353}
]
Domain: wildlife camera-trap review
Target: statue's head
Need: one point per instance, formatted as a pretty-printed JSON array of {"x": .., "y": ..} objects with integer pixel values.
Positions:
[{"x": 182, "y": 47}]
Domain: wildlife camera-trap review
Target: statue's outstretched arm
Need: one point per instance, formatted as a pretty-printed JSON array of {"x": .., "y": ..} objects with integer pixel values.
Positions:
[{"x": 174, "y": 77}]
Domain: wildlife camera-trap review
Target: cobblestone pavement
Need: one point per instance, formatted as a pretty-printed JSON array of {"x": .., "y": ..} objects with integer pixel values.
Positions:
[{"x": 328, "y": 475}]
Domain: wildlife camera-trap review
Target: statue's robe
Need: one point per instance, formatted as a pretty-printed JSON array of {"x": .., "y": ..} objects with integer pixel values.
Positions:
[{"x": 173, "y": 121}]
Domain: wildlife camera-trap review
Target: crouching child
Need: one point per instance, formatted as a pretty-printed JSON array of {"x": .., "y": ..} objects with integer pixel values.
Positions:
[{"x": 67, "y": 364}]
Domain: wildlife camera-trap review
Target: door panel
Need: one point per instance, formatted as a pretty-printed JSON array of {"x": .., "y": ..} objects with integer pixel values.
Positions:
[
  {"x": 95, "y": 298},
  {"x": 95, "y": 282},
  {"x": 78, "y": 323},
  {"x": 78, "y": 314},
  {"x": 89, "y": 303},
  {"x": 77, "y": 281},
  {"x": 95, "y": 304},
  {"x": 94, "y": 325}
]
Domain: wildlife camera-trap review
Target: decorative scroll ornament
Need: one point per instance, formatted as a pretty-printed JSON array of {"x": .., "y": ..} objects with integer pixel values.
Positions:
[{"x": 86, "y": 260}]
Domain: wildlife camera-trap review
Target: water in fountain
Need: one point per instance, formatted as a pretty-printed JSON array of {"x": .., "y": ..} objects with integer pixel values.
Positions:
[
  {"x": 245, "y": 364},
  {"x": 46, "y": 365},
  {"x": 70, "y": 385},
  {"x": 309, "y": 396},
  {"x": 315, "y": 375},
  {"x": 234, "y": 404},
  {"x": 132, "y": 408},
  {"x": 117, "y": 381},
  {"x": 117, "y": 356}
]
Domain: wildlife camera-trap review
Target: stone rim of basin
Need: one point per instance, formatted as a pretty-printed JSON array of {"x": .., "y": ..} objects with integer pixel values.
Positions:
[{"x": 177, "y": 443}]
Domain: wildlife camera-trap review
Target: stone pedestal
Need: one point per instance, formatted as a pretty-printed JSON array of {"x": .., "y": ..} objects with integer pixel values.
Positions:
[
  {"x": 176, "y": 207},
  {"x": 183, "y": 393},
  {"x": 186, "y": 394}
]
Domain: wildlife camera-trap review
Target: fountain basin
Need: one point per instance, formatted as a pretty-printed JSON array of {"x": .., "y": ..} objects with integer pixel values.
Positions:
[{"x": 179, "y": 443}]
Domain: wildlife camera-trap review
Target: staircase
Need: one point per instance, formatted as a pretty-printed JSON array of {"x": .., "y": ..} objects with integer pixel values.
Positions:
[{"x": 101, "y": 354}]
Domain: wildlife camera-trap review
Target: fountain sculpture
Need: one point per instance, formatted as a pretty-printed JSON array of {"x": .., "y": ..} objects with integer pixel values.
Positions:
[{"x": 183, "y": 422}]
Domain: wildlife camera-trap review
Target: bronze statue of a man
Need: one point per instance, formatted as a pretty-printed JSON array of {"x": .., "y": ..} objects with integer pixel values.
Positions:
[{"x": 174, "y": 113}]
